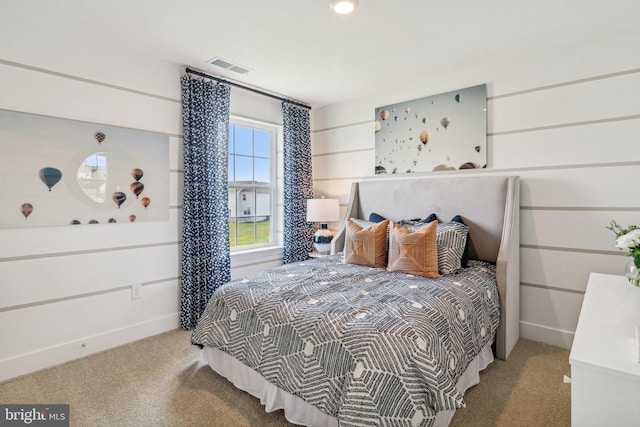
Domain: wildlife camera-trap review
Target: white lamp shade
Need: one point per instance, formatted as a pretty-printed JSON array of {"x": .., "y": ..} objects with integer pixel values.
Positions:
[{"x": 323, "y": 210}]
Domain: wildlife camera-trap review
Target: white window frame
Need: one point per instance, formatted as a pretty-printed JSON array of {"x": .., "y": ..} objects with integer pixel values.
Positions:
[{"x": 275, "y": 132}]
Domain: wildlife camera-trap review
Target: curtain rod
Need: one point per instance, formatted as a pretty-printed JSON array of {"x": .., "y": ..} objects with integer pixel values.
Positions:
[{"x": 279, "y": 98}]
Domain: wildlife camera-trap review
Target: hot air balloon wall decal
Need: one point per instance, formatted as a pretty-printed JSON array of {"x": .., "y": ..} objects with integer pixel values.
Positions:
[
  {"x": 26, "y": 209},
  {"x": 137, "y": 174},
  {"x": 439, "y": 132},
  {"x": 119, "y": 198},
  {"x": 50, "y": 176},
  {"x": 137, "y": 188}
]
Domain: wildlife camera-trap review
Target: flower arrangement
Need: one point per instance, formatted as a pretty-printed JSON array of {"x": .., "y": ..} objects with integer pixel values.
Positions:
[{"x": 629, "y": 239}]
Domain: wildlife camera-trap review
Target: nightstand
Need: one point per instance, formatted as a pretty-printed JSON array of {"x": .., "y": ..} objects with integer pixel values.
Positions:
[{"x": 605, "y": 373}]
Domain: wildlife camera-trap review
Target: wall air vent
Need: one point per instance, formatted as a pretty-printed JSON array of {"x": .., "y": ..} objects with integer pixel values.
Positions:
[{"x": 228, "y": 65}]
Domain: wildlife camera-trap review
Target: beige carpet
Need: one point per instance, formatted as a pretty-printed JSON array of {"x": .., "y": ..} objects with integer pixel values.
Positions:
[{"x": 161, "y": 381}]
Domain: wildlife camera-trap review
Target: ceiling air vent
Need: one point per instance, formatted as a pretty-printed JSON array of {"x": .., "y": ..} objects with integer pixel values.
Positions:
[{"x": 228, "y": 65}]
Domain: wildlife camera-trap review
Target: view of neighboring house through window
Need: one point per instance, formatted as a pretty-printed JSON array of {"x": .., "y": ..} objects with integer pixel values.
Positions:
[{"x": 251, "y": 184}]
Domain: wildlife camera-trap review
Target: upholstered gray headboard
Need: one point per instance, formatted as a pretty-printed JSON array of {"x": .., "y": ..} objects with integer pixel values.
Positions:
[{"x": 489, "y": 205}]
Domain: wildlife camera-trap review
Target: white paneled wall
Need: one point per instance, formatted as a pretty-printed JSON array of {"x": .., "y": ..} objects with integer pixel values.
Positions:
[
  {"x": 65, "y": 292},
  {"x": 568, "y": 126}
]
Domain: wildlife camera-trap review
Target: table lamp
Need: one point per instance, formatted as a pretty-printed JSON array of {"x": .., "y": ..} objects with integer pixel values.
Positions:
[{"x": 323, "y": 211}]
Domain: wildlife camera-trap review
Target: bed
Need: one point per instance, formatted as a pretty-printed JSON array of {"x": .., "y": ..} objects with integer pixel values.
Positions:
[{"x": 339, "y": 343}]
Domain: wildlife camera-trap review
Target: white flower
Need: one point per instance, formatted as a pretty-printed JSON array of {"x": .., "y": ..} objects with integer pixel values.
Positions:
[{"x": 629, "y": 241}]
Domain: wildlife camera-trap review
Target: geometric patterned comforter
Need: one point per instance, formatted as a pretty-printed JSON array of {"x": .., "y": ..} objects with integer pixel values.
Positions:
[{"x": 367, "y": 346}]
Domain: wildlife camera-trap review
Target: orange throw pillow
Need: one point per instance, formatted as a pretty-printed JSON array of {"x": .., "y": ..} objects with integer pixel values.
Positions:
[
  {"x": 367, "y": 246},
  {"x": 414, "y": 252}
]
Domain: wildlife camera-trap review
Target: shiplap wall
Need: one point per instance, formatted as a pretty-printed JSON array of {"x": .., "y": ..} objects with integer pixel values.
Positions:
[
  {"x": 565, "y": 121},
  {"x": 65, "y": 292}
]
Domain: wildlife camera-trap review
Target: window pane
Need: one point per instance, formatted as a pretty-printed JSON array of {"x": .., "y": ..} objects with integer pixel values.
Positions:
[
  {"x": 244, "y": 168},
  {"x": 263, "y": 203},
  {"x": 232, "y": 218},
  {"x": 263, "y": 229},
  {"x": 231, "y": 168},
  {"x": 261, "y": 143},
  {"x": 244, "y": 141},
  {"x": 246, "y": 216},
  {"x": 231, "y": 128},
  {"x": 262, "y": 172},
  {"x": 232, "y": 234}
]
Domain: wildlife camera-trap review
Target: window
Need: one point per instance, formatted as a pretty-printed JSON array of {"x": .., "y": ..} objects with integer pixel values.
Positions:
[{"x": 252, "y": 186}]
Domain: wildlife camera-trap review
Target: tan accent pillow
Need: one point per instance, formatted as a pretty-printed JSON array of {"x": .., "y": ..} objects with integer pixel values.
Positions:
[
  {"x": 367, "y": 246},
  {"x": 414, "y": 252}
]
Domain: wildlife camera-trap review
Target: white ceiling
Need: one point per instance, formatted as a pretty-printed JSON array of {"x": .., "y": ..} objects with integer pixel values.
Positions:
[{"x": 301, "y": 49}]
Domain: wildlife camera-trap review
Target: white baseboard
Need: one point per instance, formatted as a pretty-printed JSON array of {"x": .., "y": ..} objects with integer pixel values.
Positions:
[
  {"x": 557, "y": 337},
  {"x": 54, "y": 355}
]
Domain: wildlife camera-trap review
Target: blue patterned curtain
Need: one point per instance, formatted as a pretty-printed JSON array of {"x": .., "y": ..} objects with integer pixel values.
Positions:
[
  {"x": 206, "y": 258},
  {"x": 298, "y": 183}
]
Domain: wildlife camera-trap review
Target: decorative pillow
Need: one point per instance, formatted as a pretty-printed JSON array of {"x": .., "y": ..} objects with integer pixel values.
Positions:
[
  {"x": 452, "y": 240},
  {"x": 366, "y": 246},
  {"x": 364, "y": 224},
  {"x": 465, "y": 254},
  {"x": 414, "y": 252},
  {"x": 432, "y": 217},
  {"x": 412, "y": 224},
  {"x": 374, "y": 217}
]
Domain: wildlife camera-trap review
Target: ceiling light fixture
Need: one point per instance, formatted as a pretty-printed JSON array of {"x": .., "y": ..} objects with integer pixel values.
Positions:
[{"x": 343, "y": 7}]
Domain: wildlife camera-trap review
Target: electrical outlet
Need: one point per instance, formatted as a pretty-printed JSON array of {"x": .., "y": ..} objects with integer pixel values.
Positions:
[{"x": 136, "y": 291}]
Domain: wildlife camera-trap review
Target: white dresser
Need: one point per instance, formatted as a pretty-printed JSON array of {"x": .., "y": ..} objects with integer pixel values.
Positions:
[{"x": 605, "y": 373}]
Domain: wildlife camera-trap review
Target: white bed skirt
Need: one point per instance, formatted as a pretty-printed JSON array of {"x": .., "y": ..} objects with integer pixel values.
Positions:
[{"x": 298, "y": 411}]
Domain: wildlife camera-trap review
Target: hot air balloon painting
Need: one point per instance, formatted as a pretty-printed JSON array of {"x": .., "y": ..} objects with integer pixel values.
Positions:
[
  {"x": 469, "y": 165},
  {"x": 447, "y": 128},
  {"x": 118, "y": 198},
  {"x": 424, "y": 137},
  {"x": 136, "y": 188},
  {"x": 132, "y": 218},
  {"x": 58, "y": 171},
  {"x": 137, "y": 174},
  {"x": 50, "y": 176},
  {"x": 26, "y": 209}
]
